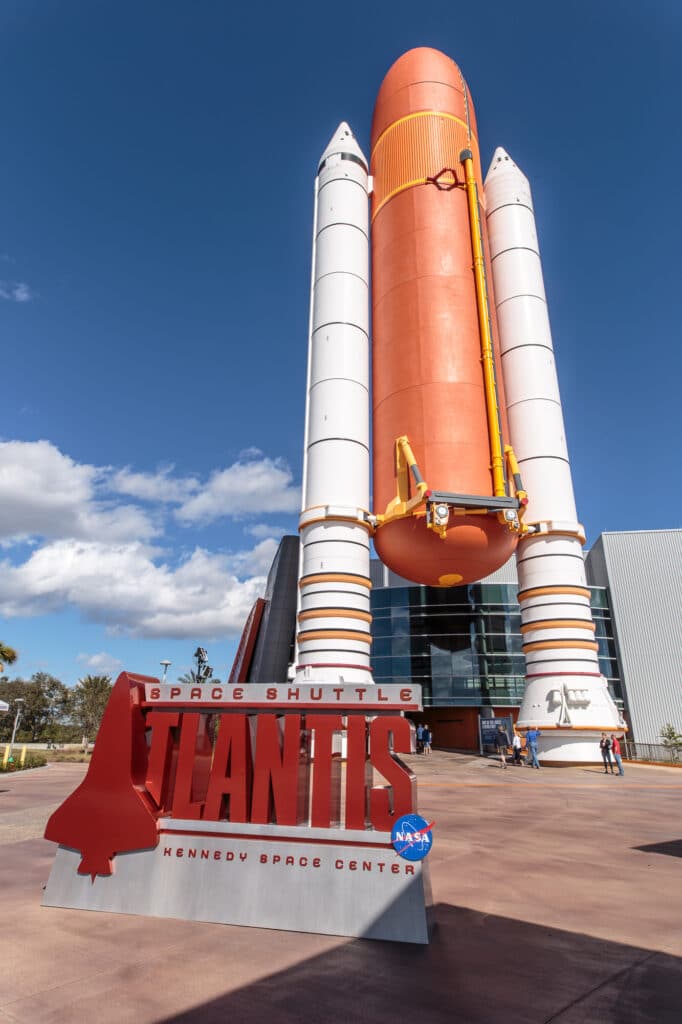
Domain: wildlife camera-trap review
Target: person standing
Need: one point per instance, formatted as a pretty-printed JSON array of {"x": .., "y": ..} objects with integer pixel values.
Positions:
[
  {"x": 605, "y": 747},
  {"x": 532, "y": 744},
  {"x": 501, "y": 743},
  {"x": 427, "y": 738},
  {"x": 516, "y": 747},
  {"x": 615, "y": 749},
  {"x": 420, "y": 738}
]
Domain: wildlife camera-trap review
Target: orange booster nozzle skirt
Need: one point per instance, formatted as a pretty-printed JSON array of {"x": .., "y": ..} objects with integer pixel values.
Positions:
[{"x": 428, "y": 379}]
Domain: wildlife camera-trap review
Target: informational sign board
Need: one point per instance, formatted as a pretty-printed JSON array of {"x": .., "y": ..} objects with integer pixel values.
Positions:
[{"x": 489, "y": 726}]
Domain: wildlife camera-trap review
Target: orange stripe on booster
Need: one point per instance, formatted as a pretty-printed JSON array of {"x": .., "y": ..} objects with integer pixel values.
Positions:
[
  {"x": 528, "y": 627},
  {"x": 525, "y": 595},
  {"x": 334, "y": 613},
  {"x": 334, "y": 634},
  {"x": 336, "y": 519},
  {"x": 553, "y": 645},
  {"x": 334, "y": 577}
]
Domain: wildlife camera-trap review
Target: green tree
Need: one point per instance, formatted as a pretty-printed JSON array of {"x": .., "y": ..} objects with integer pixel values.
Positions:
[
  {"x": 188, "y": 678},
  {"x": 672, "y": 739},
  {"x": 57, "y": 709},
  {"x": 45, "y": 705},
  {"x": 7, "y": 655},
  {"x": 87, "y": 702}
]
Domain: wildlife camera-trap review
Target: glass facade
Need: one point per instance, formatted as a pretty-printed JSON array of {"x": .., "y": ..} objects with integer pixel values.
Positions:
[{"x": 463, "y": 644}]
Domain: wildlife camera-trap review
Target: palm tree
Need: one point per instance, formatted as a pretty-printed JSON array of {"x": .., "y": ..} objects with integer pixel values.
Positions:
[
  {"x": 190, "y": 679},
  {"x": 7, "y": 654}
]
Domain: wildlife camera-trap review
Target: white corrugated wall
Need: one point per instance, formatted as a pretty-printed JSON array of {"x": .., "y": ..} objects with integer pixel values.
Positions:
[{"x": 644, "y": 570}]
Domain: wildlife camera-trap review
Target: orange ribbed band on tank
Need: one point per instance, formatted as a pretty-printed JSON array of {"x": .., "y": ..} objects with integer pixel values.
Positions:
[{"x": 418, "y": 147}]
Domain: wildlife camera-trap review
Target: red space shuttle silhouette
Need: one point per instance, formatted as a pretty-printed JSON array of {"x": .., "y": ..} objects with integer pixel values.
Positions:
[{"x": 110, "y": 812}]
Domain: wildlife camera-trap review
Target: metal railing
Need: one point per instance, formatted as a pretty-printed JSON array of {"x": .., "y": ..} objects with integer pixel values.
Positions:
[{"x": 634, "y": 751}]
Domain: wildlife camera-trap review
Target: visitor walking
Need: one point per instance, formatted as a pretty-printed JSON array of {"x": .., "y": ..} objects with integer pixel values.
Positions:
[
  {"x": 615, "y": 749},
  {"x": 532, "y": 744},
  {"x": 420, "y": 738},
  {"x": 427, "y": 739},
  {"x": 516, "y": 747},
  {"x": 502, "y": 742},
  {"x": 605, "y": 747}
]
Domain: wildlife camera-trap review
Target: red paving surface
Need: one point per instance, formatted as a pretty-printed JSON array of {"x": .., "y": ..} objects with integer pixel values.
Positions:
[{"x": 558, "y": 900}]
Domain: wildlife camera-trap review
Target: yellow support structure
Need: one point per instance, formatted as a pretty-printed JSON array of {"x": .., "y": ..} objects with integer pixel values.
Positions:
[
  {"x": 494, "y": 427},
  {"x": 6, "y": 757},
  {"x": 402, "y": 505},
  {"x": 22, "y": 760}
]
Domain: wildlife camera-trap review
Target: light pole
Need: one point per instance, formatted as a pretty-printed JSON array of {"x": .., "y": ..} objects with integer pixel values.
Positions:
[
  {"x": 165, "y": 669},
  {"x": 17, "y": 718}
]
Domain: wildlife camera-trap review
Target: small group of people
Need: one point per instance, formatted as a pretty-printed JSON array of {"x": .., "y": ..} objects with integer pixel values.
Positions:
[
  {"x": 609, "y": 745},
  {"x": 517, "y": 747},
  {"x": 424, "y": 738}
]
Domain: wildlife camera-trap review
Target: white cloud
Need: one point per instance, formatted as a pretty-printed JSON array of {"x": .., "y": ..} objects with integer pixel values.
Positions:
[
  {"x": 159, "y": 486},
  {"x": 71, "y": 541},
  {"x": 258, "y": 560},
  {"x": 245, "y": 488},
  {"x": 100, "y": 664},
  {"x": 44, "y": 492},
  {"x": 263, "y": 531},
  {"x": 129, "y": 588},
  {"x": 253, "y": 485},
  {"x": 15, "y": 291}
]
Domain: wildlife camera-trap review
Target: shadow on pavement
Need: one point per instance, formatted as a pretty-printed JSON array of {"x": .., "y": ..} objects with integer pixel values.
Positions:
[
  {"x": 671, "y": 849},
  {"x": 479, "y": 969}
]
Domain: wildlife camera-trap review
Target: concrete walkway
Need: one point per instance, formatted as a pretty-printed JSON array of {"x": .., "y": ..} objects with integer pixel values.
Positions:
[{"x": 558, "y": 898}]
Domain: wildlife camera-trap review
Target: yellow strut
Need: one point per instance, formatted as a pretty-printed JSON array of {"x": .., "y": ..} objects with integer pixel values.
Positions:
[
  {"x": 515, "y": 473},
  {"x": 494, "y": 429},
  {"x": 402, "y": 505}
]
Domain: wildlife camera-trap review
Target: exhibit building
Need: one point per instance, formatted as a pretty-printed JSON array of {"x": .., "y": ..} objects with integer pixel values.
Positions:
[{"x": 463, "y": 645}]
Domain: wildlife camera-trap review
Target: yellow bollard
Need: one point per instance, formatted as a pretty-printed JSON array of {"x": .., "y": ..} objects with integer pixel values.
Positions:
[
  {"x": 22, "y": 761},
  {"x": 6, "y": 757}
]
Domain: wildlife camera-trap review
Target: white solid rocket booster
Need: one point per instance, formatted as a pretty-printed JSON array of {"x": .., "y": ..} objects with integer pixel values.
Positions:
[
  {"x": 333, "y": 630},
  {"x": 566, "y": 696}
]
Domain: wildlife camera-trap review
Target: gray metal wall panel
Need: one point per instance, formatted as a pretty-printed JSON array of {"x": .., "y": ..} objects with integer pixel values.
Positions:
[
  {"x": 505, "y": 574},
  {"x": 644, "y": 570},
  {"x": 595, "y": 565},
  {"x": 378, "y": 573}
]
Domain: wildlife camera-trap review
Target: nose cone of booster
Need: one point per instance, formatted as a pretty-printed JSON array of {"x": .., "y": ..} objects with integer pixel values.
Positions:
[
  {"x": 343, "y": 144},
  {"x": 506, "y": 183}
]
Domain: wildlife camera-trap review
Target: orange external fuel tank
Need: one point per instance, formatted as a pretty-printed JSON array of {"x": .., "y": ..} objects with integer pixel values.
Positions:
[{"x": 428, "y": 373}]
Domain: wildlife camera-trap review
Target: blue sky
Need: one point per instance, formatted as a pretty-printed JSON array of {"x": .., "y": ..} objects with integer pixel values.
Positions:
[{"x": 155, "y": 218}]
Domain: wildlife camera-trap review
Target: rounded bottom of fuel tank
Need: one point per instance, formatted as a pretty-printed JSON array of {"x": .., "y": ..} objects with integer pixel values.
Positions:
[{"x": 473, "y": 547}]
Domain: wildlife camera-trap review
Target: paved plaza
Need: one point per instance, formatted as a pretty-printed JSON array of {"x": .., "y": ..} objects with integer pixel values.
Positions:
[{"x": 557, "y": 898}]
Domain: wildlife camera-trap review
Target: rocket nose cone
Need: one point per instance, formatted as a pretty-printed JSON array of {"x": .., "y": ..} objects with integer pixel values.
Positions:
[
  {"x": 423, "y": 79},
  {"x": 506, "y": 183},
  {"x": 343, "y": 142},
  {"x": 502, "y": 163}
]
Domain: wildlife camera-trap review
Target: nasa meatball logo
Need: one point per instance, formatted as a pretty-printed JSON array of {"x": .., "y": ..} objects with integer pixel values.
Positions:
[{"x": 412, "y": 837}]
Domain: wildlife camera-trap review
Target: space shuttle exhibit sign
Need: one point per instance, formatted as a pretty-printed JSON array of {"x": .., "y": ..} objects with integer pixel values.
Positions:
[{"x": 259, "y": 805}]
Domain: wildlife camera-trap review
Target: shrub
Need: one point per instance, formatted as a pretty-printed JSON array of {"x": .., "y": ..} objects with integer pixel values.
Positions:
[{"x": 32, "y": 761}]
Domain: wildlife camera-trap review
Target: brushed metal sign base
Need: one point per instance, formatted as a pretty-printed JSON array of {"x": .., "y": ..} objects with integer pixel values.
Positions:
[{"x": 328, "y": 881}]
